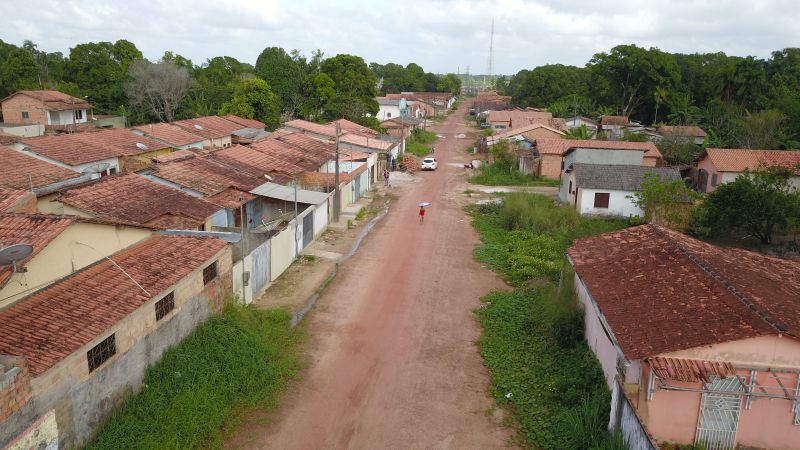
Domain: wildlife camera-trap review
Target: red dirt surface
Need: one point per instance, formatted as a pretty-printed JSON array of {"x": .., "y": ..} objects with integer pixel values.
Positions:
[{"x": 393, "y": 359}]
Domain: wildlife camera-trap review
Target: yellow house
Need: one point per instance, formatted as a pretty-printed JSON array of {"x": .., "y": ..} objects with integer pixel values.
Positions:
[{"x": 61, "y": 246}]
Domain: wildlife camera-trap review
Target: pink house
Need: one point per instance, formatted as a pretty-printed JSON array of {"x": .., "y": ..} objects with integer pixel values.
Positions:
[
  {"x": 723, "y": 165},
  {"x": 698, "y": 343}
]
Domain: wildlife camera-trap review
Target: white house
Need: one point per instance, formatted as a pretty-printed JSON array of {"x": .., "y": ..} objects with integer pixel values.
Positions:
[
  {"x": 391, "y": 108},
  {"x": 578, "y": 121},
  {"x": 607, "y": 189}
]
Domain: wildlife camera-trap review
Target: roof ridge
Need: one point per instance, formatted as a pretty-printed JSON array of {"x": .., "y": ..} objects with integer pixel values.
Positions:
[{"x": 708, "y": 269}]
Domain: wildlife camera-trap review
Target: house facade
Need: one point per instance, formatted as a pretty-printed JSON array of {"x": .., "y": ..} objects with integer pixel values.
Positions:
[
  {"x": 698, "y": 343},
  {"x": 614, "y": 126},
  {"x": 723, "y": 165},
  {"x": 49, "y": 108},
  {"x": 391, "y": 108}
]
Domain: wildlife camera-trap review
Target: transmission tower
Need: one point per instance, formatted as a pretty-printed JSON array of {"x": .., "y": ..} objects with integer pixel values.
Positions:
[{"x": 488, "y": 75}]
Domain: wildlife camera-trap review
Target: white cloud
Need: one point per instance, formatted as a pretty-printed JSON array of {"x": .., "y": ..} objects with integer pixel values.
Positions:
[{"x": 440, "y": 35}]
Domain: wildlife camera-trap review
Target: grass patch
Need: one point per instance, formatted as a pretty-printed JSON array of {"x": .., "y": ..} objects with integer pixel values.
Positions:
[
  {"x": 493, "y": 175},
  {"x": 240, "y": 359},
  {"x": 361, "y": 214},
  {"x": 532, "y": 341},
  {"x": 418, "y": 144}
]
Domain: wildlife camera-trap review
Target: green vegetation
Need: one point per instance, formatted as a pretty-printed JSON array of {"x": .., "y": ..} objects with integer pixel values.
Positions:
[
  {"x": 412, "y": 78},
  {"x": 238, "y": 360},
  {"x": 532, "y": 340},
  {"x": 504, "y": 172},
  {"x": 418, "y": 144},
  {"x": 667, "y": 203},
  {"x": 361, "y": 214}
]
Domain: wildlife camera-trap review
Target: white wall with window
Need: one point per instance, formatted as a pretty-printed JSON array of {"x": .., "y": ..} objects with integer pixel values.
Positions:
[
  {"x": 604, "y": 202},
  {"x": 66, "y": 117}
]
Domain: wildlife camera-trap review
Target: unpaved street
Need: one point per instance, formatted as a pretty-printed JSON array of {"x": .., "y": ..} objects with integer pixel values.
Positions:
[{"x": 392, "y": 356}]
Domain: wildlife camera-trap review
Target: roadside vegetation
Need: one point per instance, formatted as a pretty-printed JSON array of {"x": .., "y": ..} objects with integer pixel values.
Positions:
[
  {"x": 503, "y": 171},
  {"x": 420, "y": 142},
  {"x": 238, "y": 360},
  {"x": 532, "y": 341}
]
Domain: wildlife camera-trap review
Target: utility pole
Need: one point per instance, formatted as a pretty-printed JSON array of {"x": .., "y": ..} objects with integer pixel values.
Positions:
[
  {"x": 337, "y": 196},
  {"x": 72, "y": 102},
  {"x": 296, "y": 225},
  {"x": 491, "y": 57}
]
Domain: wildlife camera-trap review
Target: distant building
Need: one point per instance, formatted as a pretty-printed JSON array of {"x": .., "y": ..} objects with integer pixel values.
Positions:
[
  {"x": 723, "y": 165},
  {"x": 390, "y": 108},
  {"x": 50, "y": 108},
  {"x": 614, "y": 126},
  {"x": 689, "y": 133}
]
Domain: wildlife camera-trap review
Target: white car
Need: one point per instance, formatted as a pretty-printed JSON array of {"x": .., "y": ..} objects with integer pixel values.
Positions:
[{"x": 428, "y": 164}]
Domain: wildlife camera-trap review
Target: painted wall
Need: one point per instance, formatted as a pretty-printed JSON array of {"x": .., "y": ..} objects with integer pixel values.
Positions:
[
  {"x": 388, "y": 112},
  {"x": 321, "y": 217},
  {"x": 24, "y": 130},
  {"x": 619, "y": 205},
  {"x": 67, "y": 253},
  {"x": 83, "y": 401},
  {"x": 282, "y": 251}
]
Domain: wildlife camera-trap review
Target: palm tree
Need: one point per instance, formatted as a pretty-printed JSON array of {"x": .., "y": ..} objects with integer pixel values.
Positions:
[
  {"x": 659, "y": 95},
  {"x": 581, "y": 133}
]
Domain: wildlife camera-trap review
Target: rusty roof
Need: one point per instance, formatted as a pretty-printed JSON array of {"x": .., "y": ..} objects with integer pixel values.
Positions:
[
  {"x": 550, "y": 146},
  {"x": 50, "y": 325},
  {"x": 662, "y": 291},
  {"x": 21, "y": 171},
  {"x": 614, "y": 120},
  {"x": 134, "y": 198},
  {"x": 54, "y": 100},
  {"x": 171, "y": 134},
  {"x": 81, "y": 148},
  {"x": 245, "y": 122},
  {"x": 210, "y": 127},
  {"x": 257, "y": 163},
  {"x": 690, "y": 370},
  {"x": 739, "y": 159},
  {"x": 682, "y": 130}
]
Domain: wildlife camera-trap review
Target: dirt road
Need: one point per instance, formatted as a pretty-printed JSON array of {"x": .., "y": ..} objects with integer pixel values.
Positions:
[{"x": 393, "y": 360}]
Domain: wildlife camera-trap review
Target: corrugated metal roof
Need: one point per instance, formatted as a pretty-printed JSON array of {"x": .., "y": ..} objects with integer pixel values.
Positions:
[{"x": 273, "y": 190}]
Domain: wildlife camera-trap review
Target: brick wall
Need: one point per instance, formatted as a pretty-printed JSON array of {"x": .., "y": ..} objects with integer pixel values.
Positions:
[
  {"x": 15, "y": 385},
  {"x": 15, "y": 106},
  {"x": 551, "y": 167}
]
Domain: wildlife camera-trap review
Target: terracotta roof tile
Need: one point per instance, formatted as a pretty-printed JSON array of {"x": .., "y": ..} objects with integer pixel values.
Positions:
[
  {"x": 256, "y": 162},
  {"x": 739, "y": 160},
  {"x": 173, "y": 135},
  {"x": 560, "y": 146},
  {"x": 55, "y": 100},
  {"x": 50, "y": 325},
  {"x": 248, "y": 123},
  {"x": 661, "y": 291},
  {"x": 614, "y": 120},
  {"x": 518, "y": 118},
  {"x": 211, "y": 127},
  {"x": 680, "y": 130},
  {"x": 134, "y": 198},
  {"x": 9, "y": 198},
  {"x": 82, "y": 148},
  {"x": 20, "y": 171}
]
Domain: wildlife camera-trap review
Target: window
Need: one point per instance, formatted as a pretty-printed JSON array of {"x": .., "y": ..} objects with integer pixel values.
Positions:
[
  {"x": 25, "y": 115},
  {"x": 78, "y": 114},
  {"x": 165, "y": 305},
  {"x": 388, "y": 114},
  {"x": 570, "y": 187},
  {"x": 101, "y": 352},
  {"x": 713, "y": 179},
  {"x": 601, "y": 199},
  {"x": 202, "y": 227},
  {"x": 209, "y": 273},
  {"x": 112, "y": 171}
]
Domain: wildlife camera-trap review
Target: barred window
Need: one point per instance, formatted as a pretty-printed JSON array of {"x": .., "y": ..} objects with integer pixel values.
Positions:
[
  {"x": 209, "y": 273},
  {"x": 165, "y": 305},
  {"x": 101, "y": 352}
]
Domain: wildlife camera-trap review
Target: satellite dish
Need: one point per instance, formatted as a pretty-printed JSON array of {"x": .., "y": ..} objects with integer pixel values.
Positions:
[
  {"x": 199, "y": 127},
  {"x": 9, "y": 256},
  {"x": 141, "y": 146},
  {"x": 97, "y": 168}
]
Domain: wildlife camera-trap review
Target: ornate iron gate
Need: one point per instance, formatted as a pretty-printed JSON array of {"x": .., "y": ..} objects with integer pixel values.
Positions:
[{"x": 719, "y": 414}]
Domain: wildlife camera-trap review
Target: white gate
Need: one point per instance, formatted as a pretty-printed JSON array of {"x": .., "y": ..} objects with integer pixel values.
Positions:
[
  {"x": 719, "y": 414},
  {"x": 260, "y": 275}
]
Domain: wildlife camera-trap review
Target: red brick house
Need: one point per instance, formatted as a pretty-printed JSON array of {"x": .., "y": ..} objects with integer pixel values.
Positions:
[{"x": 53, "y": 109}]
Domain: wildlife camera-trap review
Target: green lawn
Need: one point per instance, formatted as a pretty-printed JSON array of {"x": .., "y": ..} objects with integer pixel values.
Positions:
[
  {"x": 542, "y": 371},
  {"x": 493, "y": 175},
  {"x": 238, "y": 360}
]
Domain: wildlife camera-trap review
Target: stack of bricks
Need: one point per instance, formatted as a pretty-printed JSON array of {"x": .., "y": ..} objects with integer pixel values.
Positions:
[
  {"x": 410, "y": 164},
  {"x": 15, "y": 385}
]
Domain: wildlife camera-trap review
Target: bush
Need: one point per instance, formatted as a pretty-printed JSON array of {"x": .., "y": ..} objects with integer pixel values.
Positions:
[
  {"x": 536, "y": 213},
  {"x": 240, "y": 359}
]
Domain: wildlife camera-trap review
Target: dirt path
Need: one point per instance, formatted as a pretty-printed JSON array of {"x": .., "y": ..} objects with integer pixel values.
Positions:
[{"x": 393, "y": 360}]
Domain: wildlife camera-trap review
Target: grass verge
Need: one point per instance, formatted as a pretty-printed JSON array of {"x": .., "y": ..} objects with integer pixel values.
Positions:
[
  {"x": 542, "y": 371},
  {"x": 240, "y": 359},
  {"x": 418, "y": 144},
  {"x": 493, "y": 175}
]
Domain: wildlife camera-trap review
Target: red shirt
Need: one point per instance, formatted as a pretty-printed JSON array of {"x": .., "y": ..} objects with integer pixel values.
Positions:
[{"x": 422, "y": 211}]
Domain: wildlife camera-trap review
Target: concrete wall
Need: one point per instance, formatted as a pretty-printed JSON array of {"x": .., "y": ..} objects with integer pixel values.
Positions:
[
  {"x": 82, "y": 401},
  {"x": 68, "y": 253},
  {"x": 321, "y": 218},
  {"x": 282, "y": 252},
  {"x": 388, "y": 112},
  {"x": 24, "y": 130},
  {"x": 623, "y": 415},
  {"x": 619, "y": 205},
  {"x": 602, "y": 156}
]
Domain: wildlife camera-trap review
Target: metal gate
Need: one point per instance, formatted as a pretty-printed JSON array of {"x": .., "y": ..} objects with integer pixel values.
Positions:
[
  {"x": 719, "y": 414},
  {"x": 357, "y": 187},
  {"x": 308, "y": 228},
  {"x": 260, "y": 274}
]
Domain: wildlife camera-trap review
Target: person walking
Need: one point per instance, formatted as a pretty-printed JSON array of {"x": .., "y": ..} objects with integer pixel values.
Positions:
[
  {"x": 421, "y": 214},
  {"x": 386, "y": 177}
]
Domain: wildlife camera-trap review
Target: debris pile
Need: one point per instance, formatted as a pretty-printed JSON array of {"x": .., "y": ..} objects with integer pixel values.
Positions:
[{"x": 410, "y": 164}]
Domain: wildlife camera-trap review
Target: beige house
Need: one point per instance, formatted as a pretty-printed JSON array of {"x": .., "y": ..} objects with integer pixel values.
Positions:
[{"x": 61, "y": 245}]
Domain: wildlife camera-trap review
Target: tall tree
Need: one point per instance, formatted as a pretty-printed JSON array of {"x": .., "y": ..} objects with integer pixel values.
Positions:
[
  {"x": 253, "y": 99},
  {"x": 18, "y": 70},
  {"x": 355, "y": 88},
  {"x": 100, "y": 69},
  {"x": 284, "y": 75},
  {"x": 159, "y": 88}
]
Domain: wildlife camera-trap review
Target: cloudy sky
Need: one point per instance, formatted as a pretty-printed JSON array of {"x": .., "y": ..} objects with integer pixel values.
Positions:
[{"x": 440, "y": 35}]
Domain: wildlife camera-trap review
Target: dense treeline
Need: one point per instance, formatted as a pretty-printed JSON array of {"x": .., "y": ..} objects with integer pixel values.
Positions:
[
  {"x": 116, "y": 79},
  {"x": 740, "y": 101}
]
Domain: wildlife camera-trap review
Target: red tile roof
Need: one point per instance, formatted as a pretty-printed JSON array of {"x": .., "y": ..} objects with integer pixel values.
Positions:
[
  {"x": 661, "y": 291},
  {"x": 309, "y": 145},
  {"x": 9, "y": 198},
  {"x": 171, "y": 134},
  {"x": 20, "y": 171},
  {"x": 561, "y": 146},
  {"x": 292, "y": 151},
  {"x": 258, "y": 163},
  {"x": 52, "y": 324},
  {"x": 614, "y": 120},
  {"x": 54, "y": 100},
  {"x": 680, "y": 130},
  {"x": 739, "y": 160},
  {"x": 134, "y": 198},
  {"x": 210, "y": 127},
  {"x": 36, "y": 230},
  {"x": 248, "y": 123},
  {"x": 317, "y": 128},
  {"x": 82, "y": 148}
]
